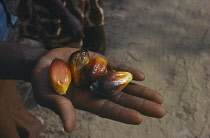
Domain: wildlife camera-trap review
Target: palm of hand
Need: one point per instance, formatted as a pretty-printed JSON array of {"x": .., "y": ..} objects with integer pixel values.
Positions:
[{"x": 126, "y": 107}]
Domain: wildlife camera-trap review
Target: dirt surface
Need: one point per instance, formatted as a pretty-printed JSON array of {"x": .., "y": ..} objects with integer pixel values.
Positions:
[{"x": 170, "y": 42}]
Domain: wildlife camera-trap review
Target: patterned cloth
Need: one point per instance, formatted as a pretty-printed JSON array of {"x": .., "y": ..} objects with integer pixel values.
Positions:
[{"x": 43, "y": 20}]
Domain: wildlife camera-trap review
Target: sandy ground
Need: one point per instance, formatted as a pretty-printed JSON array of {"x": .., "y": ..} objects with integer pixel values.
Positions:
[{"x": 170, "y": 42}]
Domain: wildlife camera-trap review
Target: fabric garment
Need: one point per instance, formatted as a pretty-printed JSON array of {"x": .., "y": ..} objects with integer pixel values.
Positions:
[{"x": 40, "y": 20}]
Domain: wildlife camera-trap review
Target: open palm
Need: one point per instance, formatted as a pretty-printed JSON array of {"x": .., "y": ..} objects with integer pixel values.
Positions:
[{"x": 127, "y": 106}]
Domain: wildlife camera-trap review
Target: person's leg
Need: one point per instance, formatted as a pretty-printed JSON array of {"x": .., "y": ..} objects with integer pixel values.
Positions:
[
  {"x": 94, "y": 26},
  {"x": 95, "y": 39}
]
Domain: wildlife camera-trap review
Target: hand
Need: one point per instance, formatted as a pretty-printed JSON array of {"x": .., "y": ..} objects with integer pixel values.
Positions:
[{"x": 127, "y": 106}]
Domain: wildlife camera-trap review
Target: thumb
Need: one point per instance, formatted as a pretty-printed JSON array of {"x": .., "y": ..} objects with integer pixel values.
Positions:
[{"x": 62, "y": 107}]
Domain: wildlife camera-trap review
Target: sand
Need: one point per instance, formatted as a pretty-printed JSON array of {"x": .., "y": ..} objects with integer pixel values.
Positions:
[{"x": 170, "y": 42}]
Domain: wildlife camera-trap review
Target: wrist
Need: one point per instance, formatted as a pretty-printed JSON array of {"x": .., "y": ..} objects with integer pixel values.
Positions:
[
  {"x": 32, "y": 59},
  {"x": 17, "y": 61}
]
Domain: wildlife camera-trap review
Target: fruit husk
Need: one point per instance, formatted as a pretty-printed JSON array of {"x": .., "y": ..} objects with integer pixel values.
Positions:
[{"x": 59, "y": 76}]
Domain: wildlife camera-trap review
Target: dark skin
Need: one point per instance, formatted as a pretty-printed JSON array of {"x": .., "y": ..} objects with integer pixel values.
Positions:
[
  {"x": 20, "y": 62},
  {"x": 128, "y": 106}
]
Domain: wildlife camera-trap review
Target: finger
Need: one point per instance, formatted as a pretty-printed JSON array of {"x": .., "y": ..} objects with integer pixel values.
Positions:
[
  {"x": 143, "y": 92},
  {"x": 63, "y": 107},
  {"x": 107, "y": 109},
  {"x": 141, "y": 105},
  {"x": 137, "y": 75}
]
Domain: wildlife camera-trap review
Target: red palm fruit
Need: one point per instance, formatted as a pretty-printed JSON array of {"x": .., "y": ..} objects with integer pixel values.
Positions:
[
  {"x": 76, "y": 61},
  {"x": 111, "y": 83},
  {"x": 60, "y": 76},
  {"x": 93, "y": 70}
]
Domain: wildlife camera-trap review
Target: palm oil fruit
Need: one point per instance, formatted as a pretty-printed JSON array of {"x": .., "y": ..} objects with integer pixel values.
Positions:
[
  {"x": 60, "y": 76},
  {"x": 111, "y": 83},
  {"x": 77, "y": 60},
  {"x": 93, "y": 70}
]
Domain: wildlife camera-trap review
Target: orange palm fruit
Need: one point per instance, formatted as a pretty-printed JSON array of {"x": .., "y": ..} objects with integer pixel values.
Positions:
[
  {"x": 77, "y": 61},
  {"x": 60, "y": 76},
  {"x": 111, "y": 83},
  {"x": 93, "y": 70}
]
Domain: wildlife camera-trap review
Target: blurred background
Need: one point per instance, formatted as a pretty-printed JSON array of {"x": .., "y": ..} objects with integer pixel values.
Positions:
[{"x": 167, "y": 40}]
